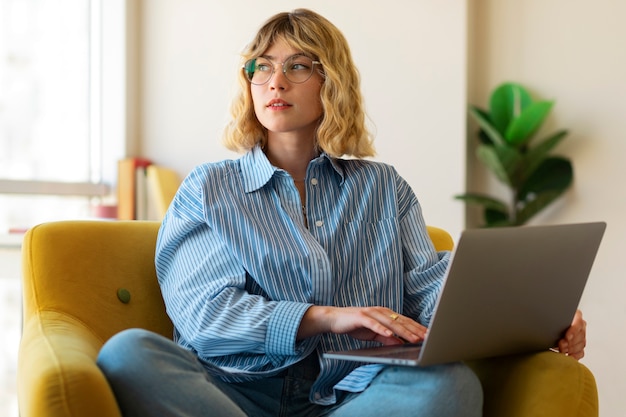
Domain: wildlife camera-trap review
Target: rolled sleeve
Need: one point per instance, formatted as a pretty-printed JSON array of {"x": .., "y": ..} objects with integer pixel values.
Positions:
[{"x": 283, "y": 328}]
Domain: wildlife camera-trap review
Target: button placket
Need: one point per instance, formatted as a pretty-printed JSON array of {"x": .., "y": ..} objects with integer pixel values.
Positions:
[
  {"x": 314, "y": 182},
  {"x": 289, "y": 197}
]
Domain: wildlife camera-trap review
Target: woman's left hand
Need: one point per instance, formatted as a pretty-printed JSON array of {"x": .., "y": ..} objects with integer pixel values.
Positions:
[{"x": 575, "y": 339}]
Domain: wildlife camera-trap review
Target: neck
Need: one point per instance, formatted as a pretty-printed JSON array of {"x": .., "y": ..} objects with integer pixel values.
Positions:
[{"x": 293, "y": 157}]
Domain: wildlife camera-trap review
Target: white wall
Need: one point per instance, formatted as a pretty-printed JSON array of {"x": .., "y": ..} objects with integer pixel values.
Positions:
[
  {"x": 411, "y": 56},
  {"x": 573, "y": 52}
]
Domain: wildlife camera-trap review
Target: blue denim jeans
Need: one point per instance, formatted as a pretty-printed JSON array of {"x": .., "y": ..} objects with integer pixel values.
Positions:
[{"x": 152, "y": 376}]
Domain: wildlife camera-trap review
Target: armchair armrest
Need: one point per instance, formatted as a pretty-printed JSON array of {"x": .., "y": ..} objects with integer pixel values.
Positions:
[
  {"x": 58, "y": 376},
  {"x": 542, "y": 384}
]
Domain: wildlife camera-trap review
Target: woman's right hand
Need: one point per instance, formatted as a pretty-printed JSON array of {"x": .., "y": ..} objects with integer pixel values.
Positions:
[{"x": 379, "y": 324}]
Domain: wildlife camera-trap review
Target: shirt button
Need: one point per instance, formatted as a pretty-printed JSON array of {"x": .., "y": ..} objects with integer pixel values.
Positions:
[
  {"x": 314, "y": 181},
  {"x": 319, "y": 223}
]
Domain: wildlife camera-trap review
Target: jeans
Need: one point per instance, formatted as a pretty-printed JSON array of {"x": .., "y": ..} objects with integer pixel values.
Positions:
[{"x": 151, "y": 375}]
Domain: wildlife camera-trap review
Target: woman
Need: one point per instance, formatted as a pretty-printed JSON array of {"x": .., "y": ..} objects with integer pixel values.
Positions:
[{"x": 267, "y": 261}]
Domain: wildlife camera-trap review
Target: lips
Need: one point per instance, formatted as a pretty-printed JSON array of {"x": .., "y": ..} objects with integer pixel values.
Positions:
[{"x": 278, "y": 104}]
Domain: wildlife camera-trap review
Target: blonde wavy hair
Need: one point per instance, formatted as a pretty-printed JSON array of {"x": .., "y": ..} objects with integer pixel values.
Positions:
[{"x": 341, "y": 130}]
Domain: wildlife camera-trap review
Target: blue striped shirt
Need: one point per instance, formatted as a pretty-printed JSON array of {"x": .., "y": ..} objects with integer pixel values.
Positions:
[{"x": 238, "y": 267}]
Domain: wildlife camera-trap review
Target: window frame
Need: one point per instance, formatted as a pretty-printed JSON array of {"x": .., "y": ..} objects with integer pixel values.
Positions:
[{"x": 110, "y": 42}]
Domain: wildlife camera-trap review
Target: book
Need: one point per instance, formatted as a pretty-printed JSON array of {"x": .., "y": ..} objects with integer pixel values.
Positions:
[{"x": 131, "y": 187}]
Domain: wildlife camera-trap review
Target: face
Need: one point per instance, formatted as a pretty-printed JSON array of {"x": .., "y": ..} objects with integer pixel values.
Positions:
[{"x": 284, "y": 107}]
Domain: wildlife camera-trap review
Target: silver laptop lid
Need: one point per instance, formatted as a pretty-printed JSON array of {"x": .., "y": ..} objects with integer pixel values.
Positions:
[{"x": 511, "y": 290}]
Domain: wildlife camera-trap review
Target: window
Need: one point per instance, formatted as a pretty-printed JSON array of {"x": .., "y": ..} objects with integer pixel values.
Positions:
[{"x": 53, "y": 162}]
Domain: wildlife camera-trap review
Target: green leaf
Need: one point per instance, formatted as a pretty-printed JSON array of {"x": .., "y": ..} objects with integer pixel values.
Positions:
[
  {"x": 553, "y": 174},
  {"x": 485, "y": 124},
  {"x": 522, "y": 128},
  {"x": 506, "y": 103},
  {"x": 483, "y": 200},
  {"x": 538, "y": 203},
  {"x": 495, "y": 212},
  {"x": 537, "y": 154},
  {"x": 496, "y": 218},
  {"x": 483, "y": 138},
  {"x": 501, "y": 160}
]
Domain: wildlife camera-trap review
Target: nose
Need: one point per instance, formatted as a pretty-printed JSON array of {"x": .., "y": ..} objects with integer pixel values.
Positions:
[{"x": 278, "y": 81}]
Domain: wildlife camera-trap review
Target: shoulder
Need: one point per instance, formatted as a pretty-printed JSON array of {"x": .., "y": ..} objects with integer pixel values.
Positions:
[
  {"x": 205, "y": 183},
  {"x": 364, "y": 168},
  {"x": 209, "y": 175},
  {"x": 361, "y": 174},
  {"x": 215, "y": 170}
]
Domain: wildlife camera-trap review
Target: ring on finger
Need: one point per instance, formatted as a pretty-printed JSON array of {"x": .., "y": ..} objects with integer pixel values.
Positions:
[{"x": 394, "y": 316}]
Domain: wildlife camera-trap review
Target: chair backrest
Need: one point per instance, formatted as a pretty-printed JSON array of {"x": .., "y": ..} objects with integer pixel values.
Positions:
[
  {"x": 163, "y": 183},
  {"x": 441, "y": 239},
  {"x": 100, "y": 273}
]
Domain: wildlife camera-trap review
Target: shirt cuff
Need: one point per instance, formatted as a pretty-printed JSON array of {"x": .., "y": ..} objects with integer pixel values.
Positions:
[{"x": 283, "y": 328}]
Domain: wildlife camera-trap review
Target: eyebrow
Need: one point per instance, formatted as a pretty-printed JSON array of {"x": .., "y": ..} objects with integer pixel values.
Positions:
[{"x": 272, "y": 57}]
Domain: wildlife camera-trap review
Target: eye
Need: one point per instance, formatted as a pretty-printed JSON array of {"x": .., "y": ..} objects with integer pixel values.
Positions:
[
  {"x": 299, "y": 67},
  {"x": 300, "y": 64},
  {"x": 262, "y": 67}
]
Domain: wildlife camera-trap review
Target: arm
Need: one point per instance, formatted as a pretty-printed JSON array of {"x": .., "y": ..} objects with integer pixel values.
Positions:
[
  {"x": 424, "y": 267},
  {"x": 214, "y": 306}
]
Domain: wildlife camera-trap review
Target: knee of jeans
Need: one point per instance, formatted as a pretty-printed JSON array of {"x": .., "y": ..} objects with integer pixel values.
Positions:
[
  {"x": 124, "y": 351},
  {"x": 464, "y": 385},
  {"x": 463, "y": 381},
  {"x": 454, "y": 377},
  {"x": 457, "y": 381}
]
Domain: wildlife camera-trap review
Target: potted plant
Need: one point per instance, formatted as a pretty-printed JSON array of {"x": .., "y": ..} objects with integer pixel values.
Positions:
[{"x": 509, "y": 149}]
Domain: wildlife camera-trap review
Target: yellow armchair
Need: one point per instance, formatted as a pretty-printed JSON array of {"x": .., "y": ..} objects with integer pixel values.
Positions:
[{"x": 84, "y": 281}]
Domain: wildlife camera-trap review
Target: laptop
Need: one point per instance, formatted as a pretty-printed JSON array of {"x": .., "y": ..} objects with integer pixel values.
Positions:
[{"x": 507, "y": 291}]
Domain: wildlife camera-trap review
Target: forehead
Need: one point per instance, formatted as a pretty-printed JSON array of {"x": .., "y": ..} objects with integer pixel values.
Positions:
[{"x": 281, "y": 49}]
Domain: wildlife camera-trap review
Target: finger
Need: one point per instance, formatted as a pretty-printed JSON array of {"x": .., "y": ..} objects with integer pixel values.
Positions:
[
  {"x": 575, "y": 350},
  {"x": 577, "y": 331},
  {"x": 577, "y": 355},
  {"x": 577, "y": 346},
  {"x": 405, "y": 327},
  {"x": 578, "y": 317},
  {"x": 393, "y": 340},
  {"x": 578, "y": 323}
]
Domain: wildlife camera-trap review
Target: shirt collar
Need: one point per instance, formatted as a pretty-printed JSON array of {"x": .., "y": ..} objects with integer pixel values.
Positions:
[
  {"x": 335, "y": 163},
  {"x": 256, "y": 169}
]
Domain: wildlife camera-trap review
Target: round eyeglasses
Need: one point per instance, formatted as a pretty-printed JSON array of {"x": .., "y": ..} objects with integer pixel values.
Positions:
[{"x": 297, "y": 69}]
